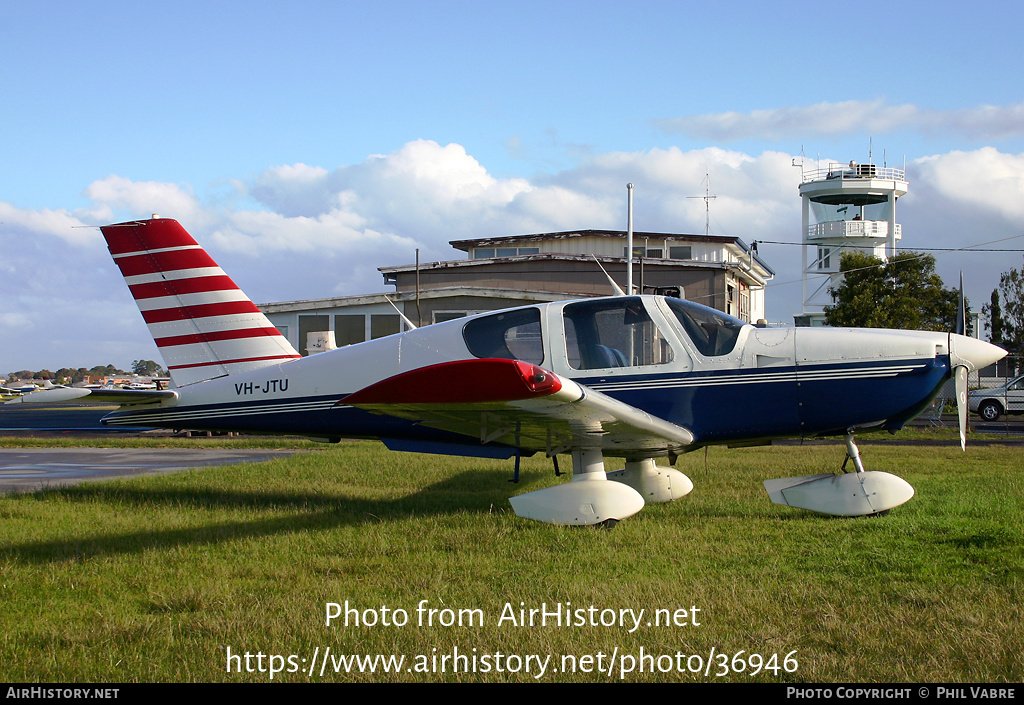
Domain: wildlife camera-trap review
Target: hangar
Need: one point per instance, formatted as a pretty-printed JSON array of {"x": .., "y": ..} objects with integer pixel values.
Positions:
[{"x": 501, "y": 272}]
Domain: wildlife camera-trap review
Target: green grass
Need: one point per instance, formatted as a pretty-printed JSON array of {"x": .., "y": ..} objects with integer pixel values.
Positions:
[{"x": 155, "y": 578}]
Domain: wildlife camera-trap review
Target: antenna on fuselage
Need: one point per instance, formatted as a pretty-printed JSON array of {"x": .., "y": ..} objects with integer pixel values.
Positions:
[
  {"x": 615, "y": 287},
  {"x": 409, "y": 324}
]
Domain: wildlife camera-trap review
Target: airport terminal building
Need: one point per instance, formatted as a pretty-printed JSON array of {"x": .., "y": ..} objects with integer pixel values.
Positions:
[{"x": 718, "y": 271}]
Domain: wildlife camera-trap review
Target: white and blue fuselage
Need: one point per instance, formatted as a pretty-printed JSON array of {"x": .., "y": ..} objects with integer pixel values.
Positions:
[{"x": 725, "y": 381}]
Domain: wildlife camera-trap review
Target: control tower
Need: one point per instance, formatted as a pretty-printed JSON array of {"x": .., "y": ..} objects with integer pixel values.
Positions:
[{"x": 853, "y": 207}]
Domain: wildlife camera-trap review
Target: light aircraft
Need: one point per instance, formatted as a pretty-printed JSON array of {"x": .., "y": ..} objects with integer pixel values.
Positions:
[
  {"x": 140, "y": 385},
  {"x": 31, "y": 388},
  {"x": 23, "y": 389},
  {"x": 635, "y": 377}
]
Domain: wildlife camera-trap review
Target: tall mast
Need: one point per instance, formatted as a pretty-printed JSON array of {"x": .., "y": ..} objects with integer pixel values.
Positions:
[{"x": 629, "y": 239}]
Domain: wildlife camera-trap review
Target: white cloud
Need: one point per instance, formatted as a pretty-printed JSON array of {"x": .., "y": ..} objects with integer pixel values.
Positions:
[
  {"x": 984, "y": 179},
  {"x": 67, "y": 227},
  {"x": 423, "y": 192},
  {"x": 753, "y": 196},
  {"x": 269, "y": 233},
  {"x": 551, "y": 209},
  {"x": 986, "y": 121},
  {"x": 849, "y": 117},
  {"x": 142, "y": 198},
  {"x": 14, "y": 321}
]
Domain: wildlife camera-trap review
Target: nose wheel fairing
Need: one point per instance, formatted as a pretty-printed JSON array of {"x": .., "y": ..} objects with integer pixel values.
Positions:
[
  {"x": 859, "y": 493},
  {"x": 852, "y": 494}
]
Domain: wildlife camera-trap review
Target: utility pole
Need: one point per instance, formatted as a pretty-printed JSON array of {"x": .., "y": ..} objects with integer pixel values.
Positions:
[{"x": 629, "y": 239}]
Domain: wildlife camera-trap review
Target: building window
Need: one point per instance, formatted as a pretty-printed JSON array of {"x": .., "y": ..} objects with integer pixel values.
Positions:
[
  {"x": 650, "y": 252},
  {"x": 680, "y": 252},
  {"x": 489, "y": 252},
  {"x": 382, "y": 324},
  {"x": 349, "y": 329},
  {"x": 442, "y": 316},
  {"x": 824, "y": 258}
]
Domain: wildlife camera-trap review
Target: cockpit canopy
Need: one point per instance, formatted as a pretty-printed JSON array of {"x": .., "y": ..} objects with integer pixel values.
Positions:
[{"x": 603, "y": 333}]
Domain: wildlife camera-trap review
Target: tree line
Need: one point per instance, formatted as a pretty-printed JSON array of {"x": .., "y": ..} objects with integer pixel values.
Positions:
[
  {"x": 1005, "y": 312},
  {"x": 68, "y": 375}
]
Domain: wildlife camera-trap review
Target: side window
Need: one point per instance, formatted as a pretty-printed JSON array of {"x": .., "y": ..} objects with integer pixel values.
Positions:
[
  {"x": 512, "y": 335},
  {"x": 712, "y": 332},
  {"x": 615, "y": 333}
]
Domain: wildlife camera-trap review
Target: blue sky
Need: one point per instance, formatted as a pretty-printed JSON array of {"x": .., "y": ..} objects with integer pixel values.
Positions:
[{"x": 306, "y": 144}]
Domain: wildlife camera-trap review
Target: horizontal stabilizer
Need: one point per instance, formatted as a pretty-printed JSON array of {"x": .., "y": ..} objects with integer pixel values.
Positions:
[{"x": 852, "y": 494}]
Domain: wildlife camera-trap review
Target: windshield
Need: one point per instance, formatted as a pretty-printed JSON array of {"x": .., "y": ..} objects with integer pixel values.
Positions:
[{"x": 712, "y": 332}]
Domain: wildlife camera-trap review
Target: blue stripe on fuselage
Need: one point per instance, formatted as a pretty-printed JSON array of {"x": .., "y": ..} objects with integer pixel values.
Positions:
[{"x": 807, "y": 400}]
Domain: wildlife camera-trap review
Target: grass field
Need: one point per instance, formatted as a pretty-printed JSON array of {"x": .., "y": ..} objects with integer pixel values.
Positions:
[{"x": 167, "y": 578}]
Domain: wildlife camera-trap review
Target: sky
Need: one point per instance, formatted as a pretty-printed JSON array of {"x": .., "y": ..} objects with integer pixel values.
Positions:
[{"x": 305, "y": 144}]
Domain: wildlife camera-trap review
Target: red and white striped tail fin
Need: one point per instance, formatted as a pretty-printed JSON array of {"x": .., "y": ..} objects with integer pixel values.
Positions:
[{"x": 203, "y": 324}]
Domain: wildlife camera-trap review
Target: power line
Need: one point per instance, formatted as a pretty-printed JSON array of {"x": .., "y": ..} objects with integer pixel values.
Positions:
[
  {"x": 823, "y": 275},
  {"x": 967, "y": 248}
]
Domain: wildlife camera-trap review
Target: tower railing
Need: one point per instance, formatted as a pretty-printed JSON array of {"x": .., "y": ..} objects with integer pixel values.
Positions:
[
  {"x": 851, "y": 228},
  {"x": 836, "y": 171}
]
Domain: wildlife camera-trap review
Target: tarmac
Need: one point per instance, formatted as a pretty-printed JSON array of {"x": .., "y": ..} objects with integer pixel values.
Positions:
[{"x": 30, "y": 469}]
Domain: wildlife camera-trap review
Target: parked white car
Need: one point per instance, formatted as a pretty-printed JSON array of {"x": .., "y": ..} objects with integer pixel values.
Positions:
[{"x": 990, "y": 404}]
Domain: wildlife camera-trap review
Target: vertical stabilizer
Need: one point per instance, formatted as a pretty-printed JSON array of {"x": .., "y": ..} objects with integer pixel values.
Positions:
[{"x": 203, "y": 324}]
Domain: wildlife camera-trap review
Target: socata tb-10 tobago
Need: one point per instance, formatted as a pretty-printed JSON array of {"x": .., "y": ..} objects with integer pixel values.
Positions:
[{"x": 636, "y": 377}]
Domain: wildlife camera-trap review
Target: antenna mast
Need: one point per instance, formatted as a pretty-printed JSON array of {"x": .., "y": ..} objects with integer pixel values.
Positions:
[{"x": 707, "y": 202}]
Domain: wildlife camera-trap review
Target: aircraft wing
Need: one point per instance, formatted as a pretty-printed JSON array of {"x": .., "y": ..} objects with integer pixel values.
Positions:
[
  {"x": 518, "y": 404},
  {"x": 124, "y": 397}
]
